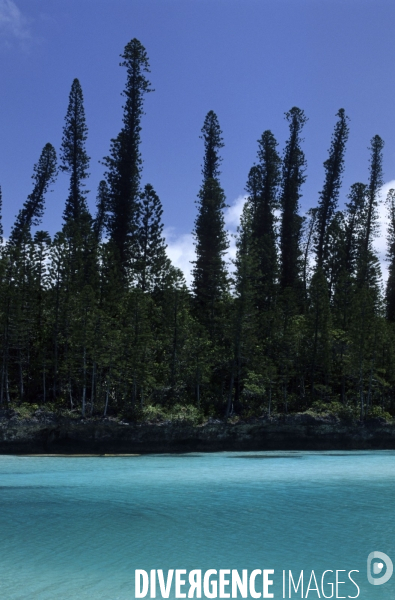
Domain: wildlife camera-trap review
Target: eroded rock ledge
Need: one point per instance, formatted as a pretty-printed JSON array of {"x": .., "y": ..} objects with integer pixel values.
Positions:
[{"x": 47, "y": 433}]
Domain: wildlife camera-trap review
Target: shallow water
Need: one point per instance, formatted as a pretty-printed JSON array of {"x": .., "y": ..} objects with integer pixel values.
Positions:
[{"x": 77, "y": 528}]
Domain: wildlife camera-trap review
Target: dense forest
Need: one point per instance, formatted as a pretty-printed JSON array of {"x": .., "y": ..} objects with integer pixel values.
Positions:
[{"x": 97, "y": 321}]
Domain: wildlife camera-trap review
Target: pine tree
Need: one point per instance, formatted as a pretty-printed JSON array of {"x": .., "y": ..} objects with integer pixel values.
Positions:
[
  {"x": 367, "y": 258},
  {"x": 346, "y": 252},
  {"x": 124, "y": 163},
  {"x": 209, "y": 273},
  {"x": 74, "y": 158},
  {"x": 354, "y": 223},
  {"x": 244, "y": 308},
  {"x": 264, "y": 201},
  {"x": 334, "y": 167},
  {"x": 152, "y": 262},
  {"x": 256, "y": 277},
  {"x": 213, "y": 141},
  {"x": 367, "y": 303},
  {"x": 390, "y": 288},
  {"x": 172, "y": 311},
  {"x": 293, "y": 177},
  {"x": 44, "y": 173},
  {"x": 335, "y": 252},
  {"x": 39, "y": 337}
]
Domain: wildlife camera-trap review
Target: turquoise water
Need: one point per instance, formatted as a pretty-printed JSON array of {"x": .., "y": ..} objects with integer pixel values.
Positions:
[{"x": 77, "y": 528}]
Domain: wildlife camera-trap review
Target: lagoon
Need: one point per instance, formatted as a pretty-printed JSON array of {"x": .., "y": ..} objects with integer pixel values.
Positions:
[{"x": 75, "y": 528}]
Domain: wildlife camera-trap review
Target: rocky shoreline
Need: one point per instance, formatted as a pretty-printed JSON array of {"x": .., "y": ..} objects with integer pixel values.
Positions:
[{"x": 52, "y": 434}]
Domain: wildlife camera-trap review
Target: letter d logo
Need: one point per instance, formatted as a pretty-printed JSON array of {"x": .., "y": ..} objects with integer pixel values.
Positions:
[{"x": 378, "y": 567}]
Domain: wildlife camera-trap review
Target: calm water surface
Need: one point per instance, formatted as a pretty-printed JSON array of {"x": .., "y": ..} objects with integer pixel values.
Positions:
[{"x": 77, "y": 528}]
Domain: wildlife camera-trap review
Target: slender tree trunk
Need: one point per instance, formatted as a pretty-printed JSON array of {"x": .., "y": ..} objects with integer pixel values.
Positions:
[
  {"x": 70, "y": 396},
  {"x": 21, "y": 388},
  {"x": 44, "y": 385},
  {"x": 229, "y": 407},
  {"x": 84, "y": 384},
  {"x": 4, "y": 376},
  {"x": 7, "y": 386},
  {"x": 2, "y": 384},
  {"x": 361, "y": 404},
  {"x": 198, "y": 388},
  {"x": 106, "y": 404},
  {"x": 343, "y": 389},
  {"x": 93, "y": 386},
  {"x": 175, "y": 341},
  {"x": 4, "y": 366},
  {"x": 372, "y": 363},
  {"x": 314, "y": 355},
  {"x": 56, "y": 333},
  {"x": 285, "y": 397}
]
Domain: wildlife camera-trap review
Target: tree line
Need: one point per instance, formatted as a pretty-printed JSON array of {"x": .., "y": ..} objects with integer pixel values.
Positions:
[{"x": 97, "y": 320}]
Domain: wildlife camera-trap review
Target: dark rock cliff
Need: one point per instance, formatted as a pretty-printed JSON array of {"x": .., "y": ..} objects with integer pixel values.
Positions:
[{"x": 53, "y": 434}]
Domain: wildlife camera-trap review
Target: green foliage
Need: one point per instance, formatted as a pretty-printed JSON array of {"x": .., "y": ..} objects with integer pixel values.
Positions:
[
  {"x": 44, "y": 173},
  {"x": 209, "y": 272},
  {"x": 390, "y": 289},
  {"x": 188, "y": 414},
  {"x": 334, "y": 167},
  {"x": 74, "y": 159},
  {"x": 377, "y": 412},
  {"x": 124, "y": 162},
  {"x": 98, "y": 322},
  {"x": 151, "y": 264},
  {"x": 335, "y": 409},
  {"x": 293, "y": 177}
]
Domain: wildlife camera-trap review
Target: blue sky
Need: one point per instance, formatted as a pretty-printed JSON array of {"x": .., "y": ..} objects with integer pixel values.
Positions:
[{"x": 248, "y": 60}]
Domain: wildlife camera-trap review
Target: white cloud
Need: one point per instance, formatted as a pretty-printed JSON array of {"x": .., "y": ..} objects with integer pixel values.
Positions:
[
  {"x": 233, "y": 213},
  {"x": 12, "y": 21},
  {"x": 181, "y": 251},
  {"x": 380, "y": 243},
  {"x": 232, "y": 221}
]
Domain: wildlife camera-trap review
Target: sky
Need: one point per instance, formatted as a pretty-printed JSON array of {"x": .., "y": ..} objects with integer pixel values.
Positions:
[{"x": 248, "y": 60}]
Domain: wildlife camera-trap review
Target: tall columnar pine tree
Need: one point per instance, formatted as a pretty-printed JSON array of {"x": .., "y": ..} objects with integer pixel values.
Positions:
[
  {"x": 334, "y": 167},
  {"x": 73, "y": 156},
  {"x": 256, "y": 269},
  {"x": 213, "y": 142},
  {"x": 367, "y": 298},
  {"x": 348, "y": 251},
  {"x": 354, "y": 225},
  {"x": 367, "y": 259},
  {"x": 44, "y": 173},
  {"x": 293, "y": 177},
  {"x": 209, "y": 273},
  {"x": 334, "y": 254},
  {"x": 19, "y": 331},
  {"x": 124, "y": 163},
  {"x": 390, "y": 289},
  {"x": 262, "y": 187},
  {"x": 152, "y": 262},
  {"x": 39, "y": 309},
  {"x": 245, "y": 310},
  {"x": 375, "y": 182}
]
